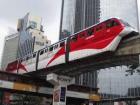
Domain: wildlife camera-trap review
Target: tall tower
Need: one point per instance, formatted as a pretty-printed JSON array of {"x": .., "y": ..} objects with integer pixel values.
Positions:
[
  {"x": 10, "y": 49},
  {"x": 87, "y": 13},
  {"x": 77, "y": 15},
  {"x": 31, "y": 35}
]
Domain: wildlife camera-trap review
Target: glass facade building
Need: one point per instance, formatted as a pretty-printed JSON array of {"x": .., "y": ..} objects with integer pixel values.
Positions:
[
  {"x": 67, "y": 18},
  {"x": 10, "y": 49},
  {"x": 31, "y": 35},
  {"x": 87, "y": 13},
  {"x": 26, "y": 41},
  {"x": 77, "y": 15}
]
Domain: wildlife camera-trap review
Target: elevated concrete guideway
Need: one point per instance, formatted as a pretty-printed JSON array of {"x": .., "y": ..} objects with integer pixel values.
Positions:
[{"x": 127, "y": 53}]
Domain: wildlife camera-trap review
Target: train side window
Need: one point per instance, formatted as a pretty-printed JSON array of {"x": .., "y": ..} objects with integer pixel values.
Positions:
[
  {"x": 56, "y": 46},
  {"x": 82, "y": 35},
  {"x": 111, "y": 24},
  {"x": 90, "y": 32},
  {"x": 51, "y": 48},
  {"x": 46, "y": 50},
  {"x": 115, "y": 23},
  {"x": 74, "y": 38},
  {"x": 99, "y": 28},
  {"x": 34, "y": 55},
  {"x": 62, "y": 44},
  {"x": 41, "y": 52}
]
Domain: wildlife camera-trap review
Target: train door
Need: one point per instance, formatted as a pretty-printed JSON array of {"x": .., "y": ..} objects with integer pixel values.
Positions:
[
  {"x": 74, "y": 48},
  {"x": 67, "y": 49}
]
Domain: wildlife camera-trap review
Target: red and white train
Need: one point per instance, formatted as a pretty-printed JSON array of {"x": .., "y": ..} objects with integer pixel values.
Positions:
[{"x": 94, "y": 40}]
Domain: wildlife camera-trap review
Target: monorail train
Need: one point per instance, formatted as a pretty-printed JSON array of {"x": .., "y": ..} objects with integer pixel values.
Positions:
[{"x": 97, "y": 39}]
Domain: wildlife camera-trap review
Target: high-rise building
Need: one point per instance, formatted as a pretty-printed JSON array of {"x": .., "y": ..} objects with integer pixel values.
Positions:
[
  {"x": 87, "y": 13},
  {"x": 31, "y": 35},
  {"x": 10, "y": 50},
  {"x": 79, "y": 14},
  {"x": 67, "y": 18}
]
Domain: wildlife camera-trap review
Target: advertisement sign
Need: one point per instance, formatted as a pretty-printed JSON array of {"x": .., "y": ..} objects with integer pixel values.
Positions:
[
  {"x": 56, "y": 95},
  {"x": 6, "y": 98},
  {"x": 24, "y": 87},
  {"x": 94, "y": 97},
  {"x": 59, "y": 95},
  {"x": 63, "y": 94}
]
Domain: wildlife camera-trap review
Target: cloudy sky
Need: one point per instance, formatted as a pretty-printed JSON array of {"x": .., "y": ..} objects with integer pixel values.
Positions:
[{"x": 11, "y": 10}]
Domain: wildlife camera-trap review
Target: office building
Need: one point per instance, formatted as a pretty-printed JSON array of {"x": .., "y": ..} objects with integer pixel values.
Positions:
[
  {"x": 31, "y": 35},
  {"x": 77, "y": 15},
  {"x": 10, "y": 50}
]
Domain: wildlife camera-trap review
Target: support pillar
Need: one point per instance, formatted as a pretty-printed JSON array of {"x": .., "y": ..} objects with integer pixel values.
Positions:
[
  {"x": 139, "y": 59},
  {"x": 60, "y": 83}
]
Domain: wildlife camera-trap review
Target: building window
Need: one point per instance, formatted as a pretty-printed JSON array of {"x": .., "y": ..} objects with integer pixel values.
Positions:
[{"x": 32, "y": 24}]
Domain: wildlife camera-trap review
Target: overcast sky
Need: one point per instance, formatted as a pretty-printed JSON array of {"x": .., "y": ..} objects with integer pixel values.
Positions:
[{"x": 12, "y": 10}]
